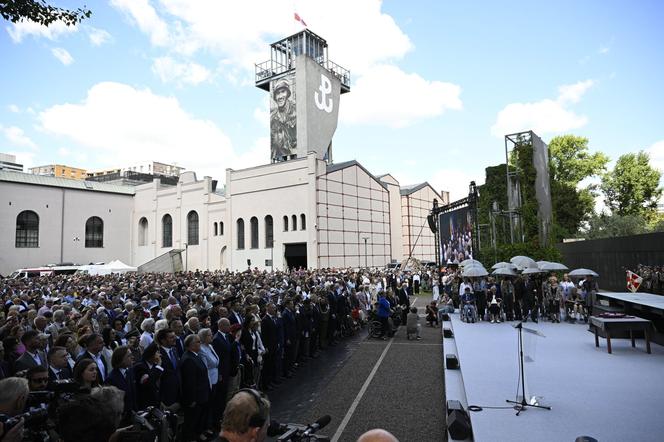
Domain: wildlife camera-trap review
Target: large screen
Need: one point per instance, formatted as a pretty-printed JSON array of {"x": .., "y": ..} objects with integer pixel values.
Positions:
[{"x": 456, "y": 229}]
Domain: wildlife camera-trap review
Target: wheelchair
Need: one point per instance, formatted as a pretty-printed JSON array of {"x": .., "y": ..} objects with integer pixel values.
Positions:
[{"x": 468, "y": 313}]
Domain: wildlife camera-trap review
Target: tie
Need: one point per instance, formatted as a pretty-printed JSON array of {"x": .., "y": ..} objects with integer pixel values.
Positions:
[
  {"x": 174, "y": 361},
  {"x": 57, "y": 375}
]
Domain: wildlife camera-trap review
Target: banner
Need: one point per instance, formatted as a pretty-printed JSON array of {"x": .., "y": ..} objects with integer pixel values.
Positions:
[
  {"x": 633, "y": 281},
  {"x": 283, "y": 118}
]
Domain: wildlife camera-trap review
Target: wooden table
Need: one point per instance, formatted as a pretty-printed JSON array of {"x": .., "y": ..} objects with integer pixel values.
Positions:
[{"x": 609, "y": 325}]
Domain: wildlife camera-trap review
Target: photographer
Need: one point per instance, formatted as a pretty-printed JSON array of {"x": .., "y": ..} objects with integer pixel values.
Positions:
[
  {"x": 13, "y": 397},
  {"x": 246, "y": 417}
]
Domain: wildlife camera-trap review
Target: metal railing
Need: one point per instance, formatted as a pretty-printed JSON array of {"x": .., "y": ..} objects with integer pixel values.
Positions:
[{"x": 270, "y": 68}]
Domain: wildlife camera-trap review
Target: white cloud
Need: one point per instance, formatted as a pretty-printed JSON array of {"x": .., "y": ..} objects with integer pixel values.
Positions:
[
  {"x": 63, "y": 151},
  {"x": 239, "y": 37},
  {"x": 18, "y": 31},
  {"x": 62, "y": 55},
  {"x": 387, "y": 95},
  {"x": 146, "y": 18},
  {"x": 545, "y": 116},
  {"x": 572, "y": 93},
  {"x": 455, "y": 181},
  {"x": 117, "y": 124},
  {"x": 604, "y": 50},
  {"x": 99, "y": 36},
  {"x": 14, "y": 108},
  {"x": 27, "y": 159},
  {"x": 170, "y": 70},
  {"x": 17, "y": 137},
  {"x": 656, "y": 152}
]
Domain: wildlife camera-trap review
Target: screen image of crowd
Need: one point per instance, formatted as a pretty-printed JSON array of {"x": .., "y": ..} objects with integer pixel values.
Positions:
[
  {"x": 144, "y": 356},
  {"x": 456, "y": 235}
]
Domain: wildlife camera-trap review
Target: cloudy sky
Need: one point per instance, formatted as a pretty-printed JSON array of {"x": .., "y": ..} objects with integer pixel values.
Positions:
[{"x": 435, "y": 84}]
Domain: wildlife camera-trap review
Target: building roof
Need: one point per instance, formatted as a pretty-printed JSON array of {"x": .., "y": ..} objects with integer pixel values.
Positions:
[
  {"x": 338, "y": 166},
  {"x": 49, "y": 181},
  {"x": 407, "y": 190}
]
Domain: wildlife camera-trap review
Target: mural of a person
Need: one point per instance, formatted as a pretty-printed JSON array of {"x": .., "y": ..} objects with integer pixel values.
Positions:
[{"x": 283, "y": 120}]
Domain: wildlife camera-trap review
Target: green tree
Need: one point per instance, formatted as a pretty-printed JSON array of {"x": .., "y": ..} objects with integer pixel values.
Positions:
[
  {"x": 570, "y": 162},
  {"x": 632, "y": 187},
  {"x": 41, "y": 12},
  {"x": 612, "y": 225}
]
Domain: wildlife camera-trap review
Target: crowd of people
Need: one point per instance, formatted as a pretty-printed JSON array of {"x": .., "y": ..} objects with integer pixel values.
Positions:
[
  {"x": 653, "y": 278},
  {"x": 182, "y": 343}
]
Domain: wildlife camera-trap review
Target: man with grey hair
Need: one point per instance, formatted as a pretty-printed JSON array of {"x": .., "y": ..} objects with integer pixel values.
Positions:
[{"x": 13, "y": 396}]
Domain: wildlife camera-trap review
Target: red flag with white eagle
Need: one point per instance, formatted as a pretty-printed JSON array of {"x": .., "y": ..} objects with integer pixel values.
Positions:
[
  {"x": 633, "y": 281},
  {"x": 298, "y": 18}
]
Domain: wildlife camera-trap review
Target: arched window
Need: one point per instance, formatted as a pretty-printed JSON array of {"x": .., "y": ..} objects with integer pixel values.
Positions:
[
  {"x": 192, "y": 228},
  {"x": 269, "y": 232},
  {"x": 253, "y": 223},
  {"x": 143, "y": 231},
  {"x": 216, "y": 232},
  {"x": 94, "y": 232},
  {"x": 221, "y": 227},
  {"x": 240, "y": 234},
  {"x": 303, "y": 222},
  {"x": 167, "y": 231},
  {"x": 27, "y": 229},
  {"x": 294, "y": 226},
  {"x": 285, "y": 223}
]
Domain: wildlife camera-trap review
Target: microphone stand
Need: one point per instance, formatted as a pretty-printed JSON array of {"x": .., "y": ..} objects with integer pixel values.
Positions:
[{"x": 521, "y": 406}]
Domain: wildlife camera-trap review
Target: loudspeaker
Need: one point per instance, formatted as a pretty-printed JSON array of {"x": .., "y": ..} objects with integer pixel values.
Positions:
[
  {"x": 454, "y": 405},
  {"x": 458, "y": 425},
  {"x": 446, "y": 317},
  {"x": 447, "y": 333},
  {"x": 249, "y": 262},
  {"x": 451, "y": 362},
  {"x": 432, "y": 223}
]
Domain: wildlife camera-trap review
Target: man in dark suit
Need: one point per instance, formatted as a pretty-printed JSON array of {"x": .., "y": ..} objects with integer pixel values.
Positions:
[
  {"x": 170, "y": 378},
  {"x": 234, "y": 315},
  {"x": 195, "y": 389},
  {"x": 289, "y": 338},
  {"x": 404, "y": 302},
  {"x": 222, "y": 346},
  {"x": 122, "y": 377},
  {"x": 33, "y": 356},
  {"x": 269, "y": 337},
  {"x": 58, "y": 366},
  {"x": 94, "y": 343}
]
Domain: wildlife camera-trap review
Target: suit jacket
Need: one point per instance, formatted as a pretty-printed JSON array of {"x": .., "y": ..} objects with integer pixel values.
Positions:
[
  {"x": 127, "y": 384},
  {"x": 289, "y": 325},
  {"x": 222, "y": 346},
  {"x": 26, "y": 361},
  {"x": 88, "y": 355},
  {"x": 147, "y": 391},
  {"x": 170, "y": 378},
  {"x": 269, "y": 333},
  {"x": 235, "y": 318},
  {"x": 65, "y": 373},
  {"x": 195, "y": 383}
]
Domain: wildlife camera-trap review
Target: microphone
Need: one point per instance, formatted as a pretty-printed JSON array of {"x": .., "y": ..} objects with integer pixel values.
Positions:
[{"x": 320, "y": 423}]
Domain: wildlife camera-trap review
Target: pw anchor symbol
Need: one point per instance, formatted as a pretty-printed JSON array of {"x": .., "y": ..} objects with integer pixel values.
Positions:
[{"x": 323, "y": 102}]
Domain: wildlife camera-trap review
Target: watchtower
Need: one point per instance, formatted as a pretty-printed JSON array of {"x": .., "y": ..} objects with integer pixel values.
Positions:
[{"x": 304, "y": 87}]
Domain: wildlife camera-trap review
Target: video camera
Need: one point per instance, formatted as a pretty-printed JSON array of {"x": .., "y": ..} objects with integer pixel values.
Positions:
[
  {"x": 298, "y": 432},
  {"x": 35, "y": 424},
  {"x": 152, "y": 424}
]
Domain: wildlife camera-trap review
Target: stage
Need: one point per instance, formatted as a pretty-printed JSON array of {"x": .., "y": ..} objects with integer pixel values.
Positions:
[{"x": 611, "y": 397}]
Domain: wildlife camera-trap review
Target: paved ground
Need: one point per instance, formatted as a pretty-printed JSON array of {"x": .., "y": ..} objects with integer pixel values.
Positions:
[{"x": 363, "y": 383}]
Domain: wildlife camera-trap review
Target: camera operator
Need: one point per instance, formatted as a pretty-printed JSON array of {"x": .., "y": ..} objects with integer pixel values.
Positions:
[
  {"x": 37, "y": 378},
  {"x": 13, "y": 397},
  {"x": 246, "y": 417}
]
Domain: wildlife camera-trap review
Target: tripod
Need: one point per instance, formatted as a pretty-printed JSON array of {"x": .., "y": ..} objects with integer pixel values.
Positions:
[{"x": 521, "y": 406}]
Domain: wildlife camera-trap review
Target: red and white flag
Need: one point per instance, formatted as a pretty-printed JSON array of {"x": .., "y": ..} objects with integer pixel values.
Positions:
[
  {"x": 298, "y": 18},
  {"x": 633, "y": 281}
]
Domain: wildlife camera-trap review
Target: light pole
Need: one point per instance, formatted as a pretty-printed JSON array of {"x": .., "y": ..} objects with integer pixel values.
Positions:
[
  {"x": 365, "y": 238},
  {"x": 186, "y": 257}
]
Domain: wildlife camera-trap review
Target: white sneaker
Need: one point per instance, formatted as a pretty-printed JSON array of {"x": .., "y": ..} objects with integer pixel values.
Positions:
[
  {"x": 498, "y": 321},
  {"x": 492, "y": 321}
]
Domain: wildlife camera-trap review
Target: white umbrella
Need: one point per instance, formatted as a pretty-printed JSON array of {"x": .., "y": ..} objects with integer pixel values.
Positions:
[
  {"x": 474, "y": 272},
  {"x": 523, "y": 261},
  {"x": 466, "y": 262},
  {"x": 501, "y": 264},
  {"x": 532, "y": 270},
  {"x": 552, "y": 266},
  {"x": 583, "y": 272},
  {"x": 504, "y": 271}
]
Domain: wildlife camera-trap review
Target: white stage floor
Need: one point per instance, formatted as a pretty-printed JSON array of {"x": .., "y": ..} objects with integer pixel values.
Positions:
[{"x": 611, "y": 397}]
